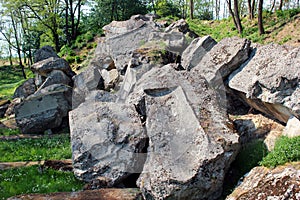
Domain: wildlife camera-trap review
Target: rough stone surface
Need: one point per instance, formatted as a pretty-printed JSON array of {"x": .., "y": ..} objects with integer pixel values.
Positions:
[
  {"x": 85, "y": 82},
  {"x": 121, "y": 46},
  {"x": 11, "y": 108},
  {"x": 292, "y": 128},
  {"x": 110, "y": 77},
  {"x": 46, "y": 66},
  {"x": 56, "y": 77},
  {"x": 181, "y": 26},
  {"x": 102, "y": 194},
  {"x": 26, "y": 89},
  {"x": 44, "y": 53},
  {"x": 269, "y": 82},
  {"x": 194, "y": 53},
  {"x": 3, "y": 107},
  {"x": 106, "y": 141},
  {"x": 262, "y": 183},
  {"x": 44, "y": 110},
  {"x": 121, "y": 27},
  {"x": 143, "y": 60},
  {"x": 183, "y": 120},
  {"x": 223, "y": 59}
]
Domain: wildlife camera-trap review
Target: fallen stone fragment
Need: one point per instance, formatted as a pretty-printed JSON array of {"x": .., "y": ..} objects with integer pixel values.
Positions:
[
  {"x": 269, "y": 82},
  {"x": 102, "y": 194},
  {"x": 262, "y": 183}
]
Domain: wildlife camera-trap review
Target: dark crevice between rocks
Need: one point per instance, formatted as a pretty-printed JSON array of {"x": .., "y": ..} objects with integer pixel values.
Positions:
[{"x": 142, "y": 147}]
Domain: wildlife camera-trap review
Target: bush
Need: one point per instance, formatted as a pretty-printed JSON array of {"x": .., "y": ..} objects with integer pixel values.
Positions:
[
  {"x": 285, "y": 150},
  {"x": 70, "y": 59}
]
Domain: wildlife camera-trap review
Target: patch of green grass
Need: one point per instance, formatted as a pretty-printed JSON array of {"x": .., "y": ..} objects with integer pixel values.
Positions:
[
  {"x": 32, "y": 179},
  {"x": 8, "y": 131},
  {"x": 10, "y": 78},
  {"x": 285, "y": 150},
  {"x": 47, "y": 148}
]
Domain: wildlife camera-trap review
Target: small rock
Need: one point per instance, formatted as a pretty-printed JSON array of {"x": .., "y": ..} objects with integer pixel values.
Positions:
[
  {"x": 4, "y": 104},
  {"x": 11, "y": 108},
  {"x": 292, "y": 128},
  {"x": 56, "y": 77},
  {"x": 26, "y": 89}
]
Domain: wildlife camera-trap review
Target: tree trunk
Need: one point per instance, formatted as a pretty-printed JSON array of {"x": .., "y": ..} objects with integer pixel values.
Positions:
[
  {"x": 251, "y": 8},
  {"x": 14, "y": 25},
  {"x": 10, "y": 55},
  {"x": 231, "y": 13},
  {"x": 273, "y": 6},
  {"x": 237, "y": 16},
  {"x": 280, "y": 5},
  {"x": 67, "y": 22},
  {"x": 78, "y": 17},
  {"x": 191, "y": 9},
  {"x": 260, "y": 20}
]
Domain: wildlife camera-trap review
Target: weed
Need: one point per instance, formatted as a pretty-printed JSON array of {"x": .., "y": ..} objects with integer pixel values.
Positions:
[
  {"x": 285, "y": 150},
  {"x": 32, "y": 179},
  {"x": 8, "y": 132}
]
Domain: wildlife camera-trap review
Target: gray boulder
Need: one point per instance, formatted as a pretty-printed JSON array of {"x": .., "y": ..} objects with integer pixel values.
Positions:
[
  {"x": 46, "y": 66},
  {"x": 44, "y": 53},
  {"x": 121, "y": 27},
  {"x": 44, "y": 110},
  {"x": 190, "y": 147},
  {"x": 26, "y": 89},
  {"x": 122, "y": 46},
  {"x": 269, "y": 82},
  {"x": 223, "y": 59},
  {"x": 85, "y": 82},
  {"x": 106, "y": 141},
  {"x": 56, "y": 77},
  {"x": 194, "y": 53}
]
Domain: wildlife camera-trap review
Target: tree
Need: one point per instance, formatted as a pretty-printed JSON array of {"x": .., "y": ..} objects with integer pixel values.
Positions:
[
  {"x": 251, "y": 8},
  {"x": 72, "y": 18},
  {"x": 235, "y": 15},
  {"x": 191, "y": 9},
  {"x": 260, "y": 18}
]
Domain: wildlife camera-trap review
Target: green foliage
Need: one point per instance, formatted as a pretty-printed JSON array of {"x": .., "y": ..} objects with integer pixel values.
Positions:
[
  {"x": 165, "y": 8},
  {"x": 8, "y": 131},
  {"x": 66, "y": 50},
  {"x": 285, "y": 150},
  {"x": 33, "y": 179},
  {"x": 55, "y": 147},
  {"x": 287, "y": 14}
]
